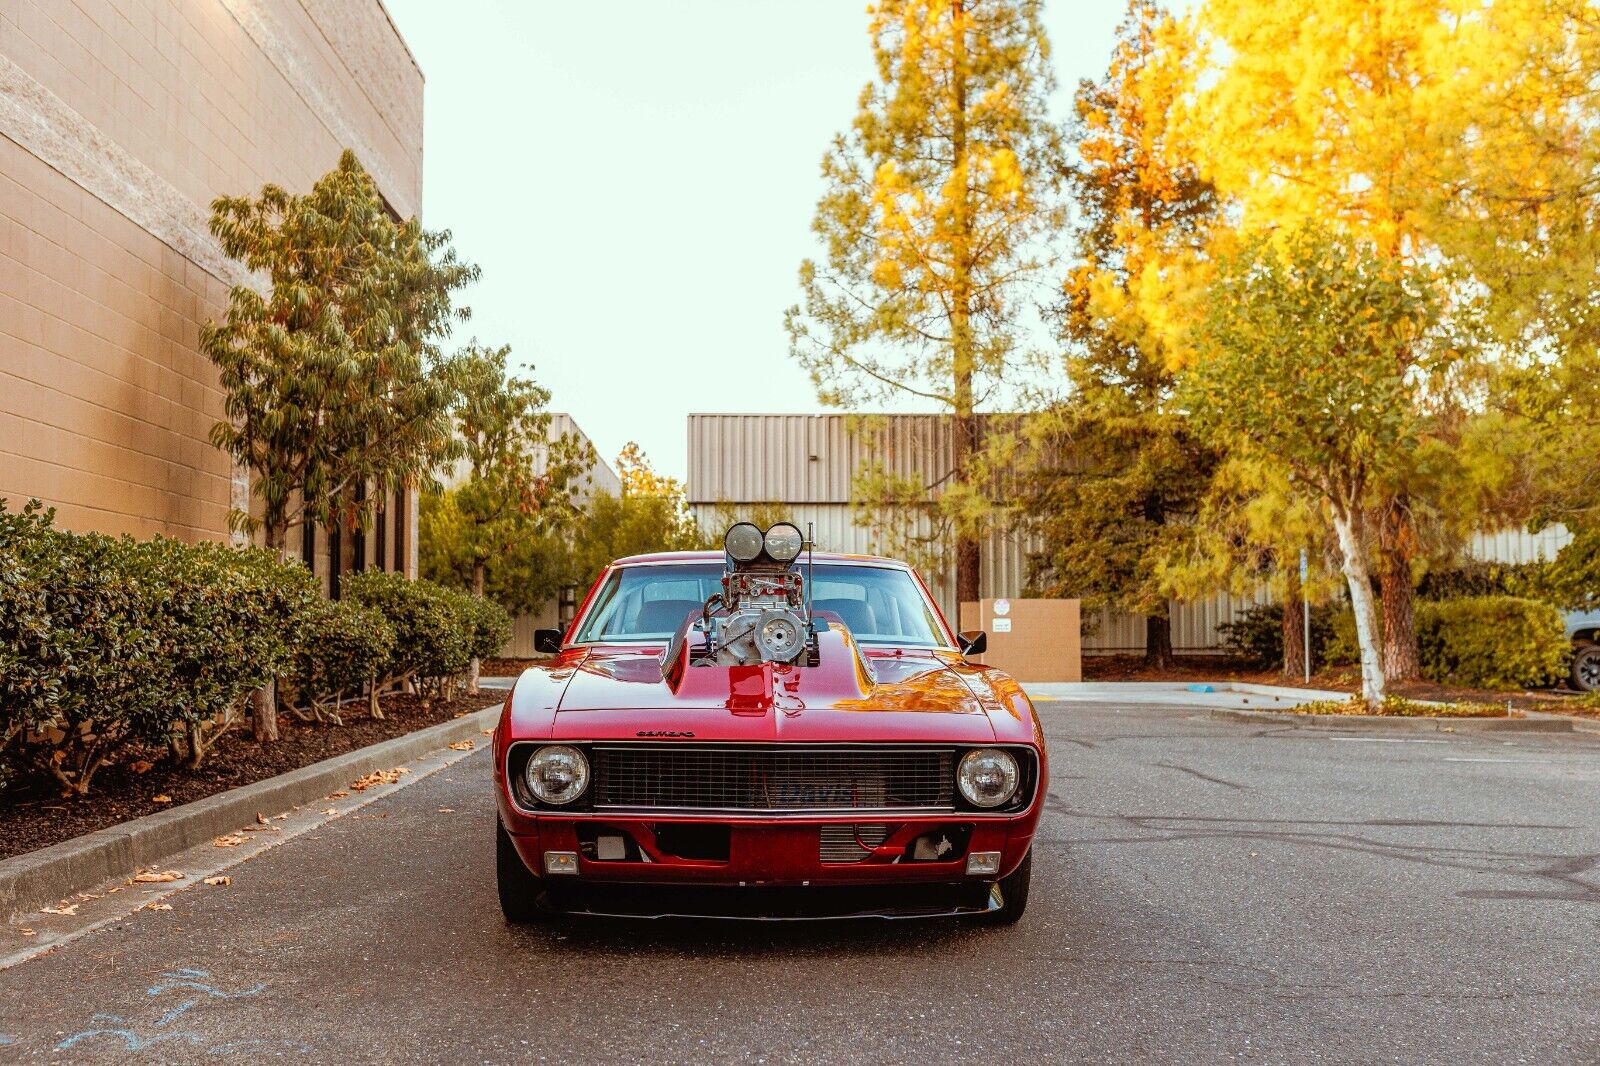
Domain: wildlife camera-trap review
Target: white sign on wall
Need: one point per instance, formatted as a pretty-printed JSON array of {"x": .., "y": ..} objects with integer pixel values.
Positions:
[{"x": 1002, "y": 625}]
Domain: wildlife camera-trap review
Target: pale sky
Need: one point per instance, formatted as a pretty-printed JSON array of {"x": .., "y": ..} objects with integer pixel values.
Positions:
[{"x": 637, "y": 180}]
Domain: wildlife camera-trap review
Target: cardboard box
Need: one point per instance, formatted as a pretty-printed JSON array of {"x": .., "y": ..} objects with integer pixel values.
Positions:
[{"x": 1032, "y": 640}]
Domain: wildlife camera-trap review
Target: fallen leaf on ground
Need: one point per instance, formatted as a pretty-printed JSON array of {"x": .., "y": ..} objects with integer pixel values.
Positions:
[
  {"x": 152, "y": 877},
  {"x": 163, "y": 798},
  {"x": 27, "y": 932},
  {"x": 65, "y": 908},
  {"x": 219, "y": 880},
  {"x": 281, "y": 817},
  {"x": 329, "y": 810},
  {"x": 158, "y": 906},
  {"x": 487, "y": 732},
  {"x": 261, "y": 819},
  {"x": 341, "y": 794},
  {"x": 231, "y": 840},
  {"x": 379, "y": 777},
  {"x": 447, "y": 810},
  {"x": 141, "y": 767},
  {"x": 262, "y": 829},
  {"x": 461, "y": 745}
]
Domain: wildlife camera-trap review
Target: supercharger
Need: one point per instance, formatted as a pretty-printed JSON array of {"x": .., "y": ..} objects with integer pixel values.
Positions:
[{"x": 762, "y": 613}]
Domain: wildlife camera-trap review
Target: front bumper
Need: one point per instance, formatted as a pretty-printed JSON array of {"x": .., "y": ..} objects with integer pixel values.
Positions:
[{"x": 762, "y": 852}]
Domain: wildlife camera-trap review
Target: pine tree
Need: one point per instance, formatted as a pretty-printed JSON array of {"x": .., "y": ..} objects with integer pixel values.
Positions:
[
  {"x": 935, "y": 205},
  {"x": 1116, "y": 474}
]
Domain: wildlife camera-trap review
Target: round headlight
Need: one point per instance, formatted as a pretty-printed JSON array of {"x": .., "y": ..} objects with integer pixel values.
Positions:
[
  {"x": 988, "y": 777},
  {"x": 743, "y": 542},
  {"x": 557, "y": 774},
  {"x": 784, "y": 542}
]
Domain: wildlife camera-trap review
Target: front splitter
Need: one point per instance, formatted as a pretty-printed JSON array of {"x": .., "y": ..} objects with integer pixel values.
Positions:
[{"x": 768, "y": 904}]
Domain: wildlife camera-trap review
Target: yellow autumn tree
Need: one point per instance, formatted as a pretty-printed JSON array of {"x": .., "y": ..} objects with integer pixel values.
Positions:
[
  {"x": 1368, "y": 117},
  {"x": 935, "y": 203}
]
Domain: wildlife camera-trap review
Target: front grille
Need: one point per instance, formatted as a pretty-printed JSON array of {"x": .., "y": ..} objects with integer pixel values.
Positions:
[
  {"x": 844, "y": 843},
  {"x": 772, "y": 778}
]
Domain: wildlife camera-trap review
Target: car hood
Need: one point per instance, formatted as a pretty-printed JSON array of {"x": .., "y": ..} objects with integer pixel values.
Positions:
[{"x": 910, "y": 696}]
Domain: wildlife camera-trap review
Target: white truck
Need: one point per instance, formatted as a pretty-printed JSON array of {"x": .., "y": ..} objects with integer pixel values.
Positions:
[{"x": 1583, "y": 627}]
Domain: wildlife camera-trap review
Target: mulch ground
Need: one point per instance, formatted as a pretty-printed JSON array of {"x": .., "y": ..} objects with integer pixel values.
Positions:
[
  {"x": 507, "y": 667},
  {"x": 1192, "y": 668},
  {"x": 34, "y": 815}
]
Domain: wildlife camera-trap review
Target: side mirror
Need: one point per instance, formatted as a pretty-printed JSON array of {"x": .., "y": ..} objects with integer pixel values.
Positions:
[
  {"x": 547, "y": 640},
  {"x": 974, "y": 643}
]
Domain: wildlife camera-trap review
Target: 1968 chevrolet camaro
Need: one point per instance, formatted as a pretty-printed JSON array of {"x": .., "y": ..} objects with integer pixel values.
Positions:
[{"x": 765, "y": 733}]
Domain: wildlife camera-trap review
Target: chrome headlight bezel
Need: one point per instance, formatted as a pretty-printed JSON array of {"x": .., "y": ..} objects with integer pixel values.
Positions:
[
  {"x": 986, "y": 762},
  {"x": 538, "y": 785}
]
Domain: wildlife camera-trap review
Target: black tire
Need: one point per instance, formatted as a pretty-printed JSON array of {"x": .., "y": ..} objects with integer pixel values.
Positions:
[
  {"x": 1585, "y": 676},
  {"x": 519, "y": 888},
  {"x": 1013, "y": 895}
]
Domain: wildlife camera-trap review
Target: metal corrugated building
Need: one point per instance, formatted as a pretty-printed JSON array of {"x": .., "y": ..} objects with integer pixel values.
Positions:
[{"x": 806, "y": 464}]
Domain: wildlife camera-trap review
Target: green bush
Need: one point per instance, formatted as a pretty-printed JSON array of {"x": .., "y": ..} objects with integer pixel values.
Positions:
[
  {"x": 1256, "y": 633},
  {"x": 433, "y": 635},
  {"x": 82, "y": 676},
  {"x": 226, "y": 622},
  {"x": 105, "y": 642},
  {"x": 1500, "y": 642},
  {"x": 1535, "y": 581},
  {"x": 490, "y": 625},
  {"x": 1343, "y": 649},
  {"x": 346, "y": 648}
]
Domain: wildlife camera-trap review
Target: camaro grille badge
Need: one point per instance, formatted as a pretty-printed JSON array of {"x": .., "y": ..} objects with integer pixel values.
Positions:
[{"x": 688, "y": 733}]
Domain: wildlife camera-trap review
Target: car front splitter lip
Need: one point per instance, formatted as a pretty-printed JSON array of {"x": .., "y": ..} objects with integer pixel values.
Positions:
[{"x": 613, "y": 905}]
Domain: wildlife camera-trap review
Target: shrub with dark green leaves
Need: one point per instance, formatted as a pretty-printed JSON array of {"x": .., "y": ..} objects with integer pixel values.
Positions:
[
  {"x": 110, "y": 642},
  {"x": 489, "y": 622},
  {"x": 346, "y": 648},
  {"x": 226, "y": 621},
  {"x": 82, "y": 676},
  {"x": 1499, "y": 642},
  {"x": 1256, "y": 633},
  {"x": 1475, "y": 577},
  {"x": 433, "y": 637}
]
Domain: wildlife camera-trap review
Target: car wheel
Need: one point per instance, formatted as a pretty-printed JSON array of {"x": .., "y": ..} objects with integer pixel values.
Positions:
[
  {"x": 1586, "y": 667},
  {"x": 519, "y": 888},
  {"x": 1013, "y": 895}
]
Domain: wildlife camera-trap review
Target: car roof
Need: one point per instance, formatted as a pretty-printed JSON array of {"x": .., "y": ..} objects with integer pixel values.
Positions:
[{"x": 717, "y": 557}]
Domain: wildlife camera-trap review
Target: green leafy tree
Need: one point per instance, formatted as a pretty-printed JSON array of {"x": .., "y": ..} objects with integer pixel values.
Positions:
[
  {"x": 935, "y": 205},
  {"x": 333, "y": 379},
  {"x": 1116, "y": 474},
  {"x": 650, "y": 514},
  {"x": 1309, "y": 358}
]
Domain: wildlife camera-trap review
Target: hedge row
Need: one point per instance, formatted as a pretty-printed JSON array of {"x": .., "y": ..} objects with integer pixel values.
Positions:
[
  {"x": 108, "y": 643},
  {"x": 1494, "y": 642}
]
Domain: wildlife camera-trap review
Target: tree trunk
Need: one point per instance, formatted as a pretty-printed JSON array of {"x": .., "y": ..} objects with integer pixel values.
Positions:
[
  {"x": 969, "y": 566},
  {"x": 1354, "y": 564},
  {"x": 1158, "y": 641},
  {"x": 1294, "y": 642},
  {"x": 264, "y": 712},
  {"x": 1401, "y": 661},
  {"x": 474, "y": 666},
  {"x": 264, "y": 702}
]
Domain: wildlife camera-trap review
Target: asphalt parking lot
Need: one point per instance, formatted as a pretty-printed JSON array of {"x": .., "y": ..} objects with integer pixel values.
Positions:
[{"x": 1203, "y": 890}]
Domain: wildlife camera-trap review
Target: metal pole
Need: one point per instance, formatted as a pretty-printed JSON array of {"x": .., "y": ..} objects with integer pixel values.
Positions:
[{"x": 1305, "y": 611}]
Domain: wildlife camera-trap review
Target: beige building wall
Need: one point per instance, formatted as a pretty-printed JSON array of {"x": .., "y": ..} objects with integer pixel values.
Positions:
[{"x": 120, "y": 122}]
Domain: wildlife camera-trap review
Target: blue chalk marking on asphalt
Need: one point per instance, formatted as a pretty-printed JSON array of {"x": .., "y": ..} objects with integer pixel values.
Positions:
[
  {"x": 174, "y": 1012},
  {"x": 7, "y": 1038},
  {"x": 187, "y": 979},
  {"x": 131, "y": 1040}
]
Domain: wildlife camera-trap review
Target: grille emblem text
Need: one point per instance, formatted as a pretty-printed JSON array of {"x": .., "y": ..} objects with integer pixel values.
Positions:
[{"x": 665, "y": 733}]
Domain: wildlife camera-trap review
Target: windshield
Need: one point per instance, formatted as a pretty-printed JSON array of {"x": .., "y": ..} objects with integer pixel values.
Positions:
[{"x": 879, "y": 604}]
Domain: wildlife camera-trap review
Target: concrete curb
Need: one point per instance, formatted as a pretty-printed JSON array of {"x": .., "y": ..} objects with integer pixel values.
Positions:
[
  {"x": 1395, "y": 724},
  {"x": 77, "y": 865}
]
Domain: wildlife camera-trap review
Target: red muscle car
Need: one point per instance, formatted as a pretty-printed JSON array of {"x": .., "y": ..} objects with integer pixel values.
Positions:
[{"x": 764, "y": 733}]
